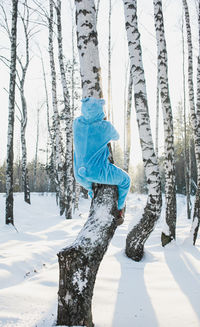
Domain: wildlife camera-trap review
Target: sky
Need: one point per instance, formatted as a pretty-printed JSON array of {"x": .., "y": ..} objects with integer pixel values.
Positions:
[{"x": 34, "y": 87}]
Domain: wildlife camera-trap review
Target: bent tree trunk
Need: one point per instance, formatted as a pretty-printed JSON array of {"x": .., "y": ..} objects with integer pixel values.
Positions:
[
  {"x": 11, "y": 114},
  {"x": 79, "y": 263},
  {"x": 139, "y": 234},
  {"x": 195, "y": 120},
  {"x": 170, "y": 188}
]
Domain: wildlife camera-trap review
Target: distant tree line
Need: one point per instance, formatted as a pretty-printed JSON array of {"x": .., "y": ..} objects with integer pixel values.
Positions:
[{"x": 176, "y": 170}]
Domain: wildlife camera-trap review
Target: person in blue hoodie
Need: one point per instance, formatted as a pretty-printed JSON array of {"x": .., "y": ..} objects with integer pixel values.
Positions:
[{"x": 92, "y": 133}]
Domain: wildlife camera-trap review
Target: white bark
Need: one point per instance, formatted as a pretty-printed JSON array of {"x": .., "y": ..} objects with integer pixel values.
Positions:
[
  {"x": 50, "y": 166},
  {"x": 194, "y": 118},
  {"x": 79, "y": 262},
  {"x": 157, "y": 114},
  {"x": 170, "y": 186},
  {"x": 11, "y": 113},
  {"x": 88, "y": 49},
  {"x": 36, "y": 150},
  {"x": 186, "y": 144},
  {"x": 127, "y": 136},
  {"x": 23, "y": 121},
  {"x": 97, "y": 9},
  {"x": 109, "y": 60},
  {"x": 138, "y": 236},
  {"x": 68, "y": 118},
  {"x": 57, "y": 148}
]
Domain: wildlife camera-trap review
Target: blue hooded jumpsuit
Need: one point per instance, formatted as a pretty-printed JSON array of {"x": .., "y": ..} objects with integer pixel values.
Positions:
[{"x": 91, "y": 165}]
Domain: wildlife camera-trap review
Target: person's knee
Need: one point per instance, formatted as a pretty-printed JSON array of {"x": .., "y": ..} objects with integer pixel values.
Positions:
[{"x": 126, "y": 181}]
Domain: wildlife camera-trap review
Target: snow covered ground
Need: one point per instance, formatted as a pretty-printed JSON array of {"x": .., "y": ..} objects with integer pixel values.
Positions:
[{"x": 163, "y": 290}]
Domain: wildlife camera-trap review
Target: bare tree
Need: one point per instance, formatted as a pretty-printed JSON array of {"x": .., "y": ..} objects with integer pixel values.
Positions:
[
  {"x": 109, "y": 60},
  {"x": 49, "y": 164},
  {"x": 68, "y": 119},
  {"x": 11, "y": 114},
  {"x": 169, "y": 232},
  {"x": 36, "y": 149},
  {"x": 22, "y": 77},
  {"x": 79, "y": 263},
  {"x": 127, "y": 136},
  {"x": 139, "y": 234},
  {"x": 187, "y": 158},
  {"x": 77, "y": 187},
  {"x": 195, "y": 120},
  {"x": 196, "y": 217},
  {"x": 58, "y": 161},
  {"x": 157, "y": 113}
]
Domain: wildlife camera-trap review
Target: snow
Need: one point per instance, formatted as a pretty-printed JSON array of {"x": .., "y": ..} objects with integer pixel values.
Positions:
[{"x": 160, "y": 291}]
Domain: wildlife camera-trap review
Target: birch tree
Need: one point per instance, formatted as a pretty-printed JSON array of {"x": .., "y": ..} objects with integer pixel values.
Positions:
[
  {"x": 157, "y": 113},
  {"x": 187, "y": 158},
  {"x": 139, "y": 234},
  {"x": 23, "y": 119},
  {"x": 36, "y": 149},
  {"x": 195, "y": 118},
  {"x": 57, "y": 141},
  {"x": 97, "y": 8},
  {"x": 127, "y": 135},
  {"x": 68, "y": 119},
  {"x": 11, "y": 114},
  {"x": 77, "y": 187},
  {"x": 50, "y": 165},
  {"x": 196, "y": 217},
  {"x": 109, "y": 60},
  {"x": 79, "y": 263},
  {"x": 169, "y": 231}
]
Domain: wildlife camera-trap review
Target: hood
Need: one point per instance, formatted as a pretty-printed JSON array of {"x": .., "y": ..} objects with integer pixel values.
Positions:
[{"x": 92, "y": 109}]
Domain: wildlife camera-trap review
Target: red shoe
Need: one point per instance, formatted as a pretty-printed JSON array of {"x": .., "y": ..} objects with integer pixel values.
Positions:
[{"x": 120, "y": 217}]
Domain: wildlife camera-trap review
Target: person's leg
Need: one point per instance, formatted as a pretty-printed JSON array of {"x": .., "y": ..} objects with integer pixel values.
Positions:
[
  {"x": 110, "y": 174},
  {"x": 116, "y": 176}
]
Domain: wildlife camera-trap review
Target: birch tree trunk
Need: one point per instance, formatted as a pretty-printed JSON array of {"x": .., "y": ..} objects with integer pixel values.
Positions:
[
  {"x": 23, "y": 121},
  {"x": 97, "y": 9},
  {"x": 25, "y": 177},
  {"x": 79, "y": 263},
  {"x": 73, "y": 66},
  {"x": 139, "y": 234},
  {"x": 76, "y": 186},
  {"x": 57, "y": 149},
  {"x": 36, "y": 151},
  {"x": 194, "y": 121},
  {"x": 68, "y": 119},
  {"x": 109, "y": 60},
  {"x": 46, "y": 100},
  {"x": 196, "y": 217},
  {"x": 157, "y": 113},
  {"x": 170, "y": 187},
  {"x": 76, "y": 195},
  {"x": 11, "y": 114},
  {"x": 186, "y": 144},
  {"x": 50, "y": 165},
  {"x": 128, "y": 124}
]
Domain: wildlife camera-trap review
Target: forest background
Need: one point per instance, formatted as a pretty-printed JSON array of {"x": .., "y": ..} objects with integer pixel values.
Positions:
[{"x": 37, "y": 137}]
